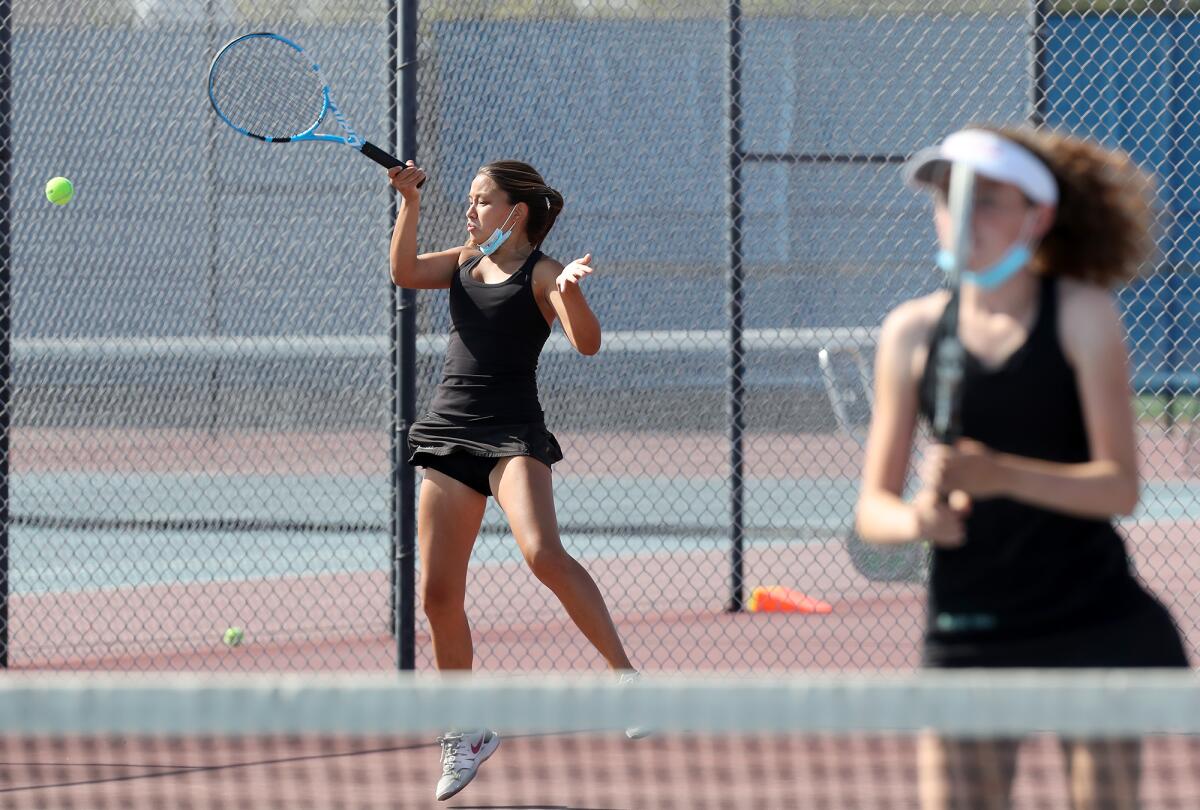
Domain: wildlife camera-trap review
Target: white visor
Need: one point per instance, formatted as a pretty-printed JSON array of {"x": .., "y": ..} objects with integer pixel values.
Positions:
[{"x": 990, "y": 155}]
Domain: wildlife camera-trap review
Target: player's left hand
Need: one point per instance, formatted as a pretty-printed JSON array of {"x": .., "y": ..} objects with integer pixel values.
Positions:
[
  {"x": 967, "y": 466},
  {"x": 573, "y": 273}
]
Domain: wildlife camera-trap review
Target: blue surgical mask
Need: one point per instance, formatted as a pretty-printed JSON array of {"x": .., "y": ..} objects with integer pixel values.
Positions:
[
  {"x": 992, "y": 277},
  {"x": 498, "y": 237},
  {"x": 1002, "y": 270}
]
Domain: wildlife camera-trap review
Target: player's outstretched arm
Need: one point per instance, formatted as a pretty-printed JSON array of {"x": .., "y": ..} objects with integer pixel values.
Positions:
[{"x": 563, "y": 292}]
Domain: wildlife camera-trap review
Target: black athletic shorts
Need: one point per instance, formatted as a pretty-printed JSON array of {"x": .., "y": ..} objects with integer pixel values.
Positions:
[
  {"x": 468, "y": 452},
  {"x": 1144, "y": 637}
]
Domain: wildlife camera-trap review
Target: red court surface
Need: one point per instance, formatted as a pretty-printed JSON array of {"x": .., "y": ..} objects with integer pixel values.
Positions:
[
  {"x": 518, "y": 625},
  {"x": 579, "y": 771},
  {"x": 670, "y": 607}
]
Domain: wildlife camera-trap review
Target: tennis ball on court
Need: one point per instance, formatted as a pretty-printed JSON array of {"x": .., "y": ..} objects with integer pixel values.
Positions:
[
  {"x": 234, "y": 636},
  {"x": 59, "y": 190}
]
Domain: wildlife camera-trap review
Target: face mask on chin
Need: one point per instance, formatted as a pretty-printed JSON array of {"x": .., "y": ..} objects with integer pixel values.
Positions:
[
  {"x": 991, "y": 277},
  {"x": 498, "y": 237},
  {"x": 1007, "y": 266}
]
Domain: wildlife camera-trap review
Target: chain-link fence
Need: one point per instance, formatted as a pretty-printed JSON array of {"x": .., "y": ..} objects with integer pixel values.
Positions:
[
  {"x": 201, "y": 414},
  {"x": 202, "y": 377}
]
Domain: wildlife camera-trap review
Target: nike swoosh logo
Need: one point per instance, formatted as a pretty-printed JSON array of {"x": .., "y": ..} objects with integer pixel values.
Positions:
[{"x": 475, "y": 748}]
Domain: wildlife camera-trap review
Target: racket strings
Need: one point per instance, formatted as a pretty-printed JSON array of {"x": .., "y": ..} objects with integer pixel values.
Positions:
[{"x": 267, "y": 88}]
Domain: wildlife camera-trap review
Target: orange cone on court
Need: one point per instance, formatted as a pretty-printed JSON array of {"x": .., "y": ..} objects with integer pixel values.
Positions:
[{"x": 778, "y": 599}]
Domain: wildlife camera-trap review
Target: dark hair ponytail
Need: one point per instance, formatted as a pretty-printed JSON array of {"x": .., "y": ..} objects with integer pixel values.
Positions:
[{"x": 522, "y": 183}]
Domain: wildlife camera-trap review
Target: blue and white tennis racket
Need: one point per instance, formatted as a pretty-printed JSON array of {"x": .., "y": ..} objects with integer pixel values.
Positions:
[{"x": 265, "y": 86}]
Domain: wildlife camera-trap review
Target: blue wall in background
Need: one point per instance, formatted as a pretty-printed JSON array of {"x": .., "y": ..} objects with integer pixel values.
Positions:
[{"x": 1132, "y": 81}]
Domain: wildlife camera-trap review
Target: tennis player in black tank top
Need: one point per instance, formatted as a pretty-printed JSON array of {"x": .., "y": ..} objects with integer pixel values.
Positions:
[
  {"x": 484, "y": 432},
  {"x": 1028, "y": 569}
]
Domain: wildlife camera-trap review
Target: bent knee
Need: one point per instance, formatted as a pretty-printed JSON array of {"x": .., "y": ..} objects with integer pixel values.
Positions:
[{"x": 548, "y": 562}]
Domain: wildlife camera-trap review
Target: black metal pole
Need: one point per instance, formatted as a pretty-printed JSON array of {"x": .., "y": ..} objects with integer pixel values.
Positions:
[
  {"x": 395, "y": 448},
  {"x": 212, "y": 311},
  {"x": 404, "y": 342},
  {"x": 5, "y": 310},
  {"x": 1175, "y": 181},
  {"x": 1038, "y": 11},
  {"x": 735, "y": 402}
]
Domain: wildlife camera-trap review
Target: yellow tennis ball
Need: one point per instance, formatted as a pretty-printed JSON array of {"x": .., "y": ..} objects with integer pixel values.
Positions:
[
  {"x": 234, "y": 636},
  {"x": 59, "y": 190}
]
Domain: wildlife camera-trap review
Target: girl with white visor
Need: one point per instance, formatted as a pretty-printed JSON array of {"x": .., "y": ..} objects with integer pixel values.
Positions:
[{"x": 1028, "y": 568}]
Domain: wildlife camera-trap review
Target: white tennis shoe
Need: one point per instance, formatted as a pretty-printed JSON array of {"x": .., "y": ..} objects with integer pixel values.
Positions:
[{"x": 462, "y": 754}]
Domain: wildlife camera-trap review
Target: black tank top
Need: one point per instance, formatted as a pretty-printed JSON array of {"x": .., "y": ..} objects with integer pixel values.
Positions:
[
  {"x": 496, "y": 335},
  {"x": 1024, "y": 569}
]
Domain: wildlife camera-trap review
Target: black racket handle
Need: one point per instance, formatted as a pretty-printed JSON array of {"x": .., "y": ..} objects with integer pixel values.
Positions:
[{"x": 384, "y": 159}]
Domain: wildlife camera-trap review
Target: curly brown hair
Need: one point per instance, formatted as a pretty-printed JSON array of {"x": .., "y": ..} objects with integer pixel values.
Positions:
[
  {"x": 522, "y": 183},
  {"x": 1102, "y": 229}
]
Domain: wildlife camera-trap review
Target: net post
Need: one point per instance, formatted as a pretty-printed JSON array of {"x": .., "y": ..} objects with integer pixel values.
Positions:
[{"x": 735, "y": 401}]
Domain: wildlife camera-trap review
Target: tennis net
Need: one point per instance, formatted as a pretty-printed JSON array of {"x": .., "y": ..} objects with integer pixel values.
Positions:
[{"x": 844, "y": 741}]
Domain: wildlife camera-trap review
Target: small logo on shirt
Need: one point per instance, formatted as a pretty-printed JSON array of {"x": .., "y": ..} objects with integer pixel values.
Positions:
[{"x": 965, "y": 622}]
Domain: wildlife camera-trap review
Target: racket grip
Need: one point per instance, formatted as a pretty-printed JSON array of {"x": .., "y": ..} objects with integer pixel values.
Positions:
[{"x": 384, "y": 159}]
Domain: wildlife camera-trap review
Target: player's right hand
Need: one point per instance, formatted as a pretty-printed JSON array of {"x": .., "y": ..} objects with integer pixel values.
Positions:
[
  {"x": 406, "y": 178},
  {"x": 942, "y": 521}
]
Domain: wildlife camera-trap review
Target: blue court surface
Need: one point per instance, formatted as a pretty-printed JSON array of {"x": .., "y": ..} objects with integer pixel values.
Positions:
[{"x": 77, "y": 532}]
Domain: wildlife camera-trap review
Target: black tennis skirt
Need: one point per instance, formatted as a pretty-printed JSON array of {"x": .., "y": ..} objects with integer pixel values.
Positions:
[{"x": 434, "y": 435}]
